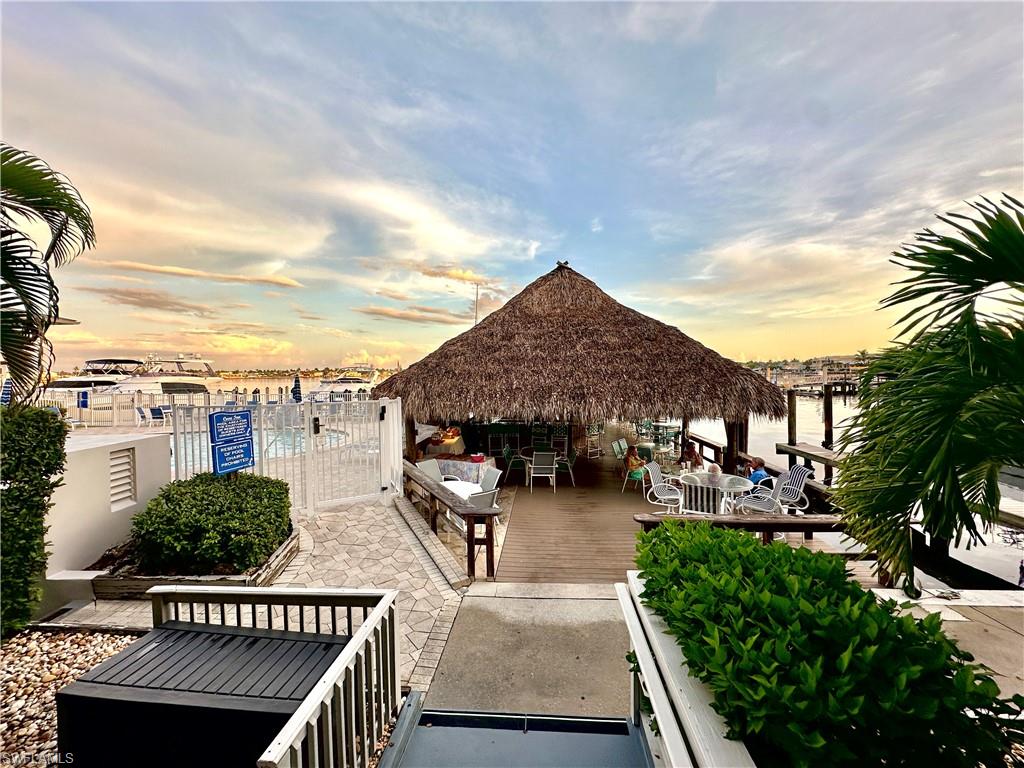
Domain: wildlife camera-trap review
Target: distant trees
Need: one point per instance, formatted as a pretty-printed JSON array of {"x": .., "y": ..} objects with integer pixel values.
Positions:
[
  {"x": 32, "y": 191},
  {"x": 943, "y": 411}
]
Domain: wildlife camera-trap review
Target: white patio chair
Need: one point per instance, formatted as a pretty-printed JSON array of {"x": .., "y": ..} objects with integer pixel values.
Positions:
[
  {"x": 141, "y": 419},
  {"x": 543, "y": 465},
  {"x": 695, "y": 496},
  {"x": 792, "y": 496},
  {"x": 490, "y": 479},
  {"x": 762, "y": 499},
  {"x": 661, "y": 493},
  {"x": 433, "y": 471}
]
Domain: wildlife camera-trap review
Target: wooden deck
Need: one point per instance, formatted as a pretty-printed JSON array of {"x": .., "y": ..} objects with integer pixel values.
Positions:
[{"x": 578, "y": 535}]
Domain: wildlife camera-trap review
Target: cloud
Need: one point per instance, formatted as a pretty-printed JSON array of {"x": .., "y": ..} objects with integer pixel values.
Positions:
[
  {"x": 389, "y": 294},
  {"x": 219, "y": 277},
  {"x": 425, "y": 316},
  {"x": 304, "y": 314},
  {"x": 449, "y": 272},
  {"x": 650, "y": 22},
  {"x": 596, "y": 225},
  {"x": 151, "y": 299}
]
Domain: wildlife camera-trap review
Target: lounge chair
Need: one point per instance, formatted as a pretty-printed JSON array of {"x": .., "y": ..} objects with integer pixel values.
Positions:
[
  {"x": 543, "y": 465},
  {"x": 433, "y": 471},
  {"x": 490, "y": 479},
  {"x": 156, "y": 416},
  {"x": 141, "y": 419},
  {"x": 513, "y": 460}
]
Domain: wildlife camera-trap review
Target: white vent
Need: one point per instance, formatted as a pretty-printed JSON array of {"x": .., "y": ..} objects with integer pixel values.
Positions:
[{"x": 122, "y": 477}]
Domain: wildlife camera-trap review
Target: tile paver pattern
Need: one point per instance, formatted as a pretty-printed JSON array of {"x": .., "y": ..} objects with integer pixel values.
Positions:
[{"x": 361, "y": 544}]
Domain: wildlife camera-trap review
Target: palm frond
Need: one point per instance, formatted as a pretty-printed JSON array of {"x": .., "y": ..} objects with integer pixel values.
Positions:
[
  {"x": 30, "y": 188},
  {"x": 950, "y": 272},
  {"x": 28, "y": 306}
]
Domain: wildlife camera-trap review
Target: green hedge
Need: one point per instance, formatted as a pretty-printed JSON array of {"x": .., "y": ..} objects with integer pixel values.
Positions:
[
  {"x": 32, "y": 451},
  {"x": 808, "y": 668},
  {"x": 209, "y": 524}
]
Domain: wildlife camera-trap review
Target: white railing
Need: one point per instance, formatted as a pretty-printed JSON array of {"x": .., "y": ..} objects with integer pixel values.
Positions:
[{"x": 345, "y": 714}]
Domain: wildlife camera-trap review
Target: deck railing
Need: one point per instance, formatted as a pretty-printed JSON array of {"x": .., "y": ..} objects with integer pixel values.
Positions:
[
  {"x": 432, "y": 499},
  {"x": 345, "y": 714}
]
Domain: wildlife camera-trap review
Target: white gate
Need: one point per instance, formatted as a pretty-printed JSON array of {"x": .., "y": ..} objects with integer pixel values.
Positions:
[{"x": 326, "y": 451}]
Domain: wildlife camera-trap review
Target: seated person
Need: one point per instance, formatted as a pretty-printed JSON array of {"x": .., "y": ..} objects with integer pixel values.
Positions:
[
  {"x": 691, "y": 456},
  {"x": 632, "y": 459},
  {"x": 757, "y": 470}
]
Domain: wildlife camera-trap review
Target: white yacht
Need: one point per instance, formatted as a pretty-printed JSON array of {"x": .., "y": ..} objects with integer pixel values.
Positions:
[
  {"x": 100, "y": 375},
  {"x": 178, "y": 375},
  {"x": 352, "y": 379}
]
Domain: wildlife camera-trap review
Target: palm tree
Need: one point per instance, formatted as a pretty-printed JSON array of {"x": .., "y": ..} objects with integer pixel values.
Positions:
[
  {"x": 32, "y": 191},
  {"x": 942, "y": 411}
]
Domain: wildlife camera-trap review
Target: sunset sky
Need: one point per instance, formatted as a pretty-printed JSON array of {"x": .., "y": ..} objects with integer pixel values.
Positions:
[{"x": 312, "y": 184}]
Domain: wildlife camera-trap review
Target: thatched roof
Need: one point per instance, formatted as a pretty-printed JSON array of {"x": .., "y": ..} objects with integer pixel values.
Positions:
[{"x": 563, "y": 348}]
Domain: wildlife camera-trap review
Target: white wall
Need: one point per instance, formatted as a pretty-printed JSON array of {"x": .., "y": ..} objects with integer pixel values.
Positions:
[{"x": 83, "y": 522}]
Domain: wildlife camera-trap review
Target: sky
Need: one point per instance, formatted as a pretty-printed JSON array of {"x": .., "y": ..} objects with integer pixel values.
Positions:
[{"x": 285, "y": 184}]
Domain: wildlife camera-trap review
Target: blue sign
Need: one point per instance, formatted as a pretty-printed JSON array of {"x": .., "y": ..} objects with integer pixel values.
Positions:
[
  {"x": 83, "y": 399},
  {"x": 231, "y": 441},
  {"x": 232, "y": 456},
  {"x": 230, "y": 425}
]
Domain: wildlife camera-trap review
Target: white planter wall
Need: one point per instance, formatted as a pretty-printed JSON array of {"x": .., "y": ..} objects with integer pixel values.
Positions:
[{"x": 107, "y": 479}]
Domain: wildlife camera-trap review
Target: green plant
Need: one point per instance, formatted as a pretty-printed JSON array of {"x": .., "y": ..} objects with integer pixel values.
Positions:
[
  {"x": 942, "y": 413},
  {"x": 31, "y": 458},
  {"x": 810, "y": 669},
  {"x": 32, "y": 191},
  {"x": 210, "y": 524}
]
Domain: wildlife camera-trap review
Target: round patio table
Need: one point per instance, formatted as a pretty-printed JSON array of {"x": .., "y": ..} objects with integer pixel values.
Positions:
[
  {"x": 729, "y": 486},
  {"x": 462, "y": 487}
]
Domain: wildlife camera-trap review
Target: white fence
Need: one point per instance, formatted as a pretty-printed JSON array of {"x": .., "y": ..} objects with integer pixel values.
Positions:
[
  {"x": 325, "y": 451},
  {"x": 110, "y": 409}
]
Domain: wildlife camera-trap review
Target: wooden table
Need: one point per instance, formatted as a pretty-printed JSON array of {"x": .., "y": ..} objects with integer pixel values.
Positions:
[{"x": 765, "y": 524}]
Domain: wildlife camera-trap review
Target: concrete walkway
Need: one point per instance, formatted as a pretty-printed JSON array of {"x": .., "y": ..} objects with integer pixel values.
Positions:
[{"x": 535, "y": 648}]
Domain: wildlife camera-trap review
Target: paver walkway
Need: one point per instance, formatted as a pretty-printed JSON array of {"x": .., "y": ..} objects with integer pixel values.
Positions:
[{"x": 360, "y": 544}]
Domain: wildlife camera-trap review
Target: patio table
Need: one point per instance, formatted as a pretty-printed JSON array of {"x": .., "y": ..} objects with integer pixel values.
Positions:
[
  {"x": 462, "y": 488},
  {"x": 729, "y": 486}
]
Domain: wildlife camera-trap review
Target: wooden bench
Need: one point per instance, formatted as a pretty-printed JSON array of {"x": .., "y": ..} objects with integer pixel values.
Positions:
[{"x": 765, "y": 524}]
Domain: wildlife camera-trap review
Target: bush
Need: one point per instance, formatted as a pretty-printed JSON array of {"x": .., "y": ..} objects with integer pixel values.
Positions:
[
  {"x": 810, "y": 669},
  {"x": 31, "y": 455},
  {"x": 209, "y": 524}
]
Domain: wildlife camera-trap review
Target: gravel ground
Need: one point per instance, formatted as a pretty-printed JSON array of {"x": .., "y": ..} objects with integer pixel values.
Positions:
[{"x": 35, "y": 666}]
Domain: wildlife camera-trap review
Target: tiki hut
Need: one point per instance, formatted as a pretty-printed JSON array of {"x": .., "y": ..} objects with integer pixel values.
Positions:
[{"x": 563, "y": 349}]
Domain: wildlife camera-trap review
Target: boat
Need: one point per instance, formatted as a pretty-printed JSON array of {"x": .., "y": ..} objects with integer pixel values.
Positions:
[
  {"x": 100, "y": 375},
  {"x": 178, "y": 375},
  {"x": 351, "y": 380}
]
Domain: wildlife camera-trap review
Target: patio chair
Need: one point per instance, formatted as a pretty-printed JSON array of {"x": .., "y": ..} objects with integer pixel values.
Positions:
[
  {"x": 432, "y": 469},
  {"x": 168, "y": 412},
  {"x": 619, "y": 448},
  {"x": 636, "y": 475},
  {"x": 484, "y": 499},
  {"x": 661, "y": 493},
  {"x": 514, "y": 460},
  {"x": 141, "y": 419},
  {"x": 490, "y": 479},
  {"x": 156, "y": 416},
  {"x": 645, "y": 453},
  {"x": 694, "y": 496},
  {"x": 763, "y": 500},
  {"x": 543, "y": 465},
  {"x": 560, "y": 438},
  {"x": 565, "y": 464},
  {"x": 787, "y": 493}
]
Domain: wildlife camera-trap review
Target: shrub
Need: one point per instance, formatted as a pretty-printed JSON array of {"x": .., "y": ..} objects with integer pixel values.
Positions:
[
  {"x": 209, "y": 524},
  {"x": 810, "y": 669},
  {"x": 32, "y": 451}
]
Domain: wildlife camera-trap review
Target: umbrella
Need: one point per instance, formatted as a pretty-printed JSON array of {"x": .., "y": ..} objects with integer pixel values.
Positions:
[{"x": 297, "y": 390}]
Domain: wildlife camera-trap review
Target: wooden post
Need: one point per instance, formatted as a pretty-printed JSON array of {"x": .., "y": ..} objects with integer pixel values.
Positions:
[
  {"x": 410, "y": 439},
  {"x": 732, "y": 432},
  {"x": 827, "y": 443},
  {"x": 744, "y": 441},
  {"x": 489, "y": 541},
  {"x": 791, "y": 423},
  {"x": 470, "y": 546}
]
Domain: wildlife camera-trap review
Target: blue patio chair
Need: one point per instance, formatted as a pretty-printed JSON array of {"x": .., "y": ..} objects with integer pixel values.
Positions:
[{"x": 156, "y": 415}]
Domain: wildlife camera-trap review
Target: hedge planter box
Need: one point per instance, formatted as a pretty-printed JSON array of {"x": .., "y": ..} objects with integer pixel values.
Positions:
[
  {"x": 113, "y": 587},
  {"x": 688, "y": 731}
]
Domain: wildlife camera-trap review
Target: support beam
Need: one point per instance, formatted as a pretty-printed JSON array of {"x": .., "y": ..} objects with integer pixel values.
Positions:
[
  {"x": 410, "y": 439},
  {"x": 791, "y": 422},
  {"x": 827, "y": 442},
  {"x": 730, "y": 460}
]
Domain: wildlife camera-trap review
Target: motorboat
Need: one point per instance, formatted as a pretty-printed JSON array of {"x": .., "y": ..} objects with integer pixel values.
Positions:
[
  {"x": 100, "y": 375},
  {"x": 352, "y": 380},
  {"x": 178, "y": 375}
]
